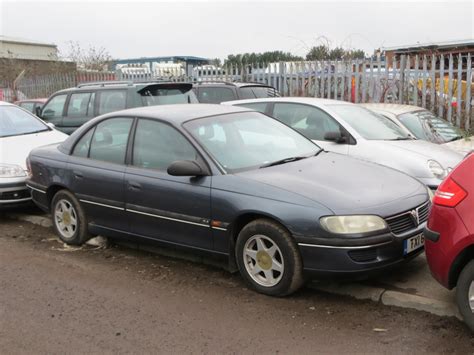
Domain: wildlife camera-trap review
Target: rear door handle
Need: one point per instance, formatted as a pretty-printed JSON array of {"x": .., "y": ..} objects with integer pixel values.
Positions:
[
  {"x": 78, "y": 174},
  {"x": 134, "y": 185}
]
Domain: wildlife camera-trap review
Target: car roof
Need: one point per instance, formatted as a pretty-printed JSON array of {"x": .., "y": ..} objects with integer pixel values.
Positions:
[
  {"x": 114, "y": 85},
  {"x": 300, "y": 100},
  {"x": 396, "y": 109},
  {"x": 179, "y": 113},
  {"x": 39, "y": 100},
  {"x": 231, "y": 83},
  {"x": 4, "y": 103}
]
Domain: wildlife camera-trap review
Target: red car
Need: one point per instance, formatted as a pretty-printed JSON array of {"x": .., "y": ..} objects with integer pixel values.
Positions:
[{"x": 450, "y": 236}]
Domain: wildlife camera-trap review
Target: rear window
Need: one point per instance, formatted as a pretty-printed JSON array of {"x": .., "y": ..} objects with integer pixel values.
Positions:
[
  {"x": 258, "y": 92},
  {"x": 153, "y": 95}
]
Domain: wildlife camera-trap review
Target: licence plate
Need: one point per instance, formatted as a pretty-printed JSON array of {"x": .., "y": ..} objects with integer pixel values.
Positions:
[{"x": 413, "y": 243}]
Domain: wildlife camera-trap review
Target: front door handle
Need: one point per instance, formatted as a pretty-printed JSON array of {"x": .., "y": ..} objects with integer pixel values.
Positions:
[{"x": 133, "y": 185}]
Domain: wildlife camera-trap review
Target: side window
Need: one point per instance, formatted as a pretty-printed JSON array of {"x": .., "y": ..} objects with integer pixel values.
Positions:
[
  {"x": 80, "y": 105},
  {"x": 54, "y": 108},
  {"x": 81, "y": 148},
  {"x": 157, "y": 145},
  {"x": 215, "y": 95},
  {"x": 260, "y": 106},
  {"x": 310, "y": 121},
  {"x": 112, "y": 100},
  {"x": 109, "y": 142}
]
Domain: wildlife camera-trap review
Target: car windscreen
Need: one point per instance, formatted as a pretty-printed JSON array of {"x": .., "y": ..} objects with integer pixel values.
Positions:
[
  {"x": 249, "y": 140},
  {"x": 257, "y": 92},
  {"x": 368, "y": 124},
  {"x": 427, "y": 126},
  {"x": 15, "y": 121},
  {"x": 153, "y": 95}
]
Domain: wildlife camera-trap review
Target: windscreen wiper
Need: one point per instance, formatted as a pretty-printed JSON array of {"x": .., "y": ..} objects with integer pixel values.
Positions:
[{"x": 282, "y": 161}]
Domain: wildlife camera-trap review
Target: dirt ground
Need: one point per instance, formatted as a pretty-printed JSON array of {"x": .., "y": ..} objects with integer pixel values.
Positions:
[{"x": 56, "y": 299}]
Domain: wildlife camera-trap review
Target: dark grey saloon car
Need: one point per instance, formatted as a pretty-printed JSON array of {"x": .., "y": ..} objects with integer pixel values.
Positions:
[{"x": 232, "y": 182}]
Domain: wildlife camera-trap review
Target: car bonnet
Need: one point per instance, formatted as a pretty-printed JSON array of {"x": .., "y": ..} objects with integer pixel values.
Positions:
[{"x": 345, "y": 185}]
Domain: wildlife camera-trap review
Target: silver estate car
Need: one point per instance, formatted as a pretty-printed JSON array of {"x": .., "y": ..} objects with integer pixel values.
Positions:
[{"x": 350, "y": 129}]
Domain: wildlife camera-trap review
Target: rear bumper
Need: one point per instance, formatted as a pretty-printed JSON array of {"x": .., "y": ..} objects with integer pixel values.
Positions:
[
  {"x": 322, "y": 261},
  {"x": 14, "y": 194}
]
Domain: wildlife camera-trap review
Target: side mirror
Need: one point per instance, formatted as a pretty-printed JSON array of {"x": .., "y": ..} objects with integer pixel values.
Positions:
[
  {"x": 335, "y": 136},
  {"x": 38, "y": 111},
  {"x": 186, "y": 168}
]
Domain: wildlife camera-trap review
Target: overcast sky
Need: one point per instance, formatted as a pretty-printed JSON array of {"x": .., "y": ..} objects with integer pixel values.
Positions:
[{"x": 216, "y": 29}]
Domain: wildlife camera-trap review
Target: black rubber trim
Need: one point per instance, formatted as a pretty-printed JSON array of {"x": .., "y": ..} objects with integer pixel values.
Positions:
[
  {"x": 168, "y": 214},
  {"x": 103, "y": 201},
  {"x": 431, "y": 235},
  {"x": 348, "y": 241}
]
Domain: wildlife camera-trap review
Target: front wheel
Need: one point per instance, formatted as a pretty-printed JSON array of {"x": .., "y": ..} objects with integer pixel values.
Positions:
[
  {"x": 69, "y": 219},
  {"x": 268, "y": 258},
  {"x": 465, "y": 294}
]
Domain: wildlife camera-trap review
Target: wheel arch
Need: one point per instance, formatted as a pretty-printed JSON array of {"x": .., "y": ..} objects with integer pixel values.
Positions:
[
  {"x": 240, "y": 222},
  {"x": 463, "y": 258},
  {"x": 53, "y": 190}
]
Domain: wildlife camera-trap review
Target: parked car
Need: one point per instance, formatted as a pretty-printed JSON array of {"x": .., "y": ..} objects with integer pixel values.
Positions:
[
  {"x": 209, "y": 92},
  {"x": 32, "y": 105},
  {"x": 280, "y": 207},
  {"x": 70, "y": 108},
  {"x": 349, "y": 129},
  {"x": 424, "y": 125},
  {"x": 20, "y": 132},
  {"x": 450, "y": 237}
]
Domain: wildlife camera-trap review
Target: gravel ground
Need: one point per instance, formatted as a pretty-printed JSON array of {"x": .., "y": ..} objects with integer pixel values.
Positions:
[{"x": 57, "y": 299}]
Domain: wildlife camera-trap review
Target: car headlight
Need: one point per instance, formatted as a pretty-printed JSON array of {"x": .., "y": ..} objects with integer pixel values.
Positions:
[
  {"x": 353, "y": 224},
  {"x": 437, "y": 169},
  {"x": 11, "y": 171}
]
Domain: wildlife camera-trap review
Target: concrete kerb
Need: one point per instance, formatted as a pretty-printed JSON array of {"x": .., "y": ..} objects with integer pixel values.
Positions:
[{"x": 383, "y": 295}]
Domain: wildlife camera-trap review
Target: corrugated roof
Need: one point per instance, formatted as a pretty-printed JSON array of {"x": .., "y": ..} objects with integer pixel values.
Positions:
[
  {"x": 25, "y": 41},
  {"x": 432, "y": 45}
]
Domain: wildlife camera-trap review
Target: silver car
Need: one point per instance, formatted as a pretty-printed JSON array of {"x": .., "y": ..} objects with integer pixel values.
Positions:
[
  {"x": 423, "y": 124},
  {"x": 350, "y": 129}
]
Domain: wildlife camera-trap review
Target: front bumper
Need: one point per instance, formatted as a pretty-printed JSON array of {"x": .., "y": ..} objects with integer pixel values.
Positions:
[
  {"x": 359, "y": 262},
  {"x": 14, "y": 194}
]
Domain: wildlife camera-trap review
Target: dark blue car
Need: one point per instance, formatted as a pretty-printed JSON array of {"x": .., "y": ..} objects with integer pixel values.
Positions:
[{"x": 232, "y": 182}]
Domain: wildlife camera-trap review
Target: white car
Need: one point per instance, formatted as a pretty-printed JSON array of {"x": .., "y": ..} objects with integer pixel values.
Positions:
[
  {"x": 350, "y": 129},
  {"x": 20, "y": 132},
  {"x": 423, "y": 124}
]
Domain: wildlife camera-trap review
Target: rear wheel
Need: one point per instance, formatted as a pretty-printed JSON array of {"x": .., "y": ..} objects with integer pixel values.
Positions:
[
  {"x": 268, "y": 258},
  {"x": 465, "y": 294},
  {"x": 69, "y": 219}
]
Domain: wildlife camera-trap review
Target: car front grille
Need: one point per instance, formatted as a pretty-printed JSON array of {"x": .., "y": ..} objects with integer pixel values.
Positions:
[
  {"x": 14, "y": 195},
  {"x": 409, "y": 220}
]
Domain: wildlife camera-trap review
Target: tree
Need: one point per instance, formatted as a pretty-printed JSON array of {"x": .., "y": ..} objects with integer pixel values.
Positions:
[
  {"x": 320, "y": 52},
  {"x": 261, "y": 58},
  {"x": 92, "y": 58},
  {"x": 324, "y": 52}
]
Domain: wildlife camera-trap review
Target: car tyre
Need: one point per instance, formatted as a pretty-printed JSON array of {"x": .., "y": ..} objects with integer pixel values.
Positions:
[
  {"x": 268, "y": 258},
  {"x": 465, "y": 291},
  {"x": 69, "y": 218}
]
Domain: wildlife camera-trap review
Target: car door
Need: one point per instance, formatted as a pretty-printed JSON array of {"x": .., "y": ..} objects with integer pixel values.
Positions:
[
  {"x": 313, "y": 123},
  {"x": 80, "y": 109},
  {"x": 97, "y": 168},
  {"x": 53, "y": 110},
  {"x": 176, "y": 209}
]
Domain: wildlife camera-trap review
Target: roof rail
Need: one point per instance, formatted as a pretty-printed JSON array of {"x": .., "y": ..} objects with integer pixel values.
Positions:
[
  {"x": 215, "y": 82},
  {"x": 105, "y": 83}
]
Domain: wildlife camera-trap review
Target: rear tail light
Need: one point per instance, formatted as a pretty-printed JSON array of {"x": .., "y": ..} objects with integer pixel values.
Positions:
[{"x": 449, "y": 194}]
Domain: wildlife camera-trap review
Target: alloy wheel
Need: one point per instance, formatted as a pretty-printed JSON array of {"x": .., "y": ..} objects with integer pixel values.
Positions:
[
  {"x": 65, "y": 217},
  {"x": 263, "y": 260}
]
